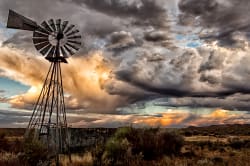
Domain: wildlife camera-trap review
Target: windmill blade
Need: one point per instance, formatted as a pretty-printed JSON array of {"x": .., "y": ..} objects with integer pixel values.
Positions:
[
  {"x": 58, "y": 24},
  {"x": 39, "y": 34},
  {"x": 64, "y": 25},
  {"x": 75, "y": 42},
  {"x": 39, "y": 46},
  {"x": 68, "y": 49},
  {"x": 73, "y": 32},
  {"x": 57, "y": 52},
  {"x": 39, "y": 40},
  {"x": 42, "y": 30},
  {"x": 17, "y": 21},
  {"x": 69, "y": 28},
  {"x": 52, "y": 24},
  {"x": 72, "y": 46},
  {"x": 63, "y": 52},
  {"x": 75, "y": 37},
  {"x": 45, "y": 49},
  {"x": 46, "y": 26},
  {"x": 51, "y": 52}
]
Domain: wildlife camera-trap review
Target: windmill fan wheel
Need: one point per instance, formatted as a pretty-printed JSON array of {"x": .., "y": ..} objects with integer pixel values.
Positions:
[{"x": 56, "y": 39}]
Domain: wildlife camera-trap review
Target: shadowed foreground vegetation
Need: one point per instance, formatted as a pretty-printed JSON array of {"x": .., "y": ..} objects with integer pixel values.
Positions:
[{"x": 197, "y": 146}]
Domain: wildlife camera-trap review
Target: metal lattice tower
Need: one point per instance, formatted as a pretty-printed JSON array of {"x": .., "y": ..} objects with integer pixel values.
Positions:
[
  {"x": 49, "y": 115},
  {"x": 55, "y": 40}
]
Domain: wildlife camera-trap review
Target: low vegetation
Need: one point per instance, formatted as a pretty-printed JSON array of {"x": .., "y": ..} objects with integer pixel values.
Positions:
[{"x": 138, "y": 147}]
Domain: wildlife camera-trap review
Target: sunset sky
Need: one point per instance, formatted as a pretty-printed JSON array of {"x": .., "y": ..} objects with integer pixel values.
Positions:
[{"x": 167, "y": 63}]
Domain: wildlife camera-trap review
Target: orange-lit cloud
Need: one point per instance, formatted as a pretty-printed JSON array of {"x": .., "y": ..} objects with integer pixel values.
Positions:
[
  {"x": 221, "y": 116},
  {"x": 83, "y": 78},
  {"x": 183, "y": 118},
  {"x": 167, "y": 119},
  {"x": 219, "y": 113}
]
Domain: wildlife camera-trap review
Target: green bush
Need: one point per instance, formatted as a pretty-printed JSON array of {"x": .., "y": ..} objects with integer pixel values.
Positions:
[
  {"x": 149, "y": 144},
  {"x": 115, "y": 151}
]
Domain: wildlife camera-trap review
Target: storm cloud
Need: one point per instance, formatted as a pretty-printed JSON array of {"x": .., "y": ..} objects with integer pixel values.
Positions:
[
  {"x": 226, "y": 21},
  {"x": 137, "y": 51}
]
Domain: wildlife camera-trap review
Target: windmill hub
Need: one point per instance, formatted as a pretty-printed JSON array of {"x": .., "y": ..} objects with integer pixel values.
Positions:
[{"x": 59, "y": 36}]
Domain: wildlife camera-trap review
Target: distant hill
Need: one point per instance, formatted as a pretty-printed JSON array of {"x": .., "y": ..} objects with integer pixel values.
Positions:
[{"x": 228, "y": 129}]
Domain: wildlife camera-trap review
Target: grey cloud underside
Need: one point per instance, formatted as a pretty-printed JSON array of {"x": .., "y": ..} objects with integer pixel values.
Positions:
[
  {"x": 10, "y": 118},
  {"x": 198, "y": 77},
  {"x": 14, "y": 113},
  {"x": 233, "y": 102}
]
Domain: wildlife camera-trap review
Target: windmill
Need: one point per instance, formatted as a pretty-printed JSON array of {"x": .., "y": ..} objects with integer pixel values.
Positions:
[{"x": 56, "y": 40}]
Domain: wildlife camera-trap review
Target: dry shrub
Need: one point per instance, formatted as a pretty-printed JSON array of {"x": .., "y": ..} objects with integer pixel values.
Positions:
[
  {"x": 236, "y": 143},
  {"x": 134, "y": 145},
  {"x": 34, "y": 151},
  {"x": 154, "y": 143},
  {"x": 2, "y": 135}
]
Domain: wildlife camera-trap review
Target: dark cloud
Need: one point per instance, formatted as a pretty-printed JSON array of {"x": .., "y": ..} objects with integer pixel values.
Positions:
[
  {"x": 140, "y": 57},
  {"x": 210, "y": 79},
  {"x": 132, "y": 8},
  {"x": 21, "y": 40},
  {"x": 206, "y": 73},
  {"x": 198, "y": 7},
  {"x": 90, "y": 24},
  {"x": 223, "y": 17},
  {"x": 213, "y": 62},
  {"x": 233, "y": 102},
  {"x": 98, "y": 21},
  {"x": 120, "y": 40},
  {"x": 156, "y": 36},
  {"x": 159, "y": 75}
]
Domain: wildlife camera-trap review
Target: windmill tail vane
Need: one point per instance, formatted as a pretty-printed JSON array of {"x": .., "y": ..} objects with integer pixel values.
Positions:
[{"x": 56, "y": 40}]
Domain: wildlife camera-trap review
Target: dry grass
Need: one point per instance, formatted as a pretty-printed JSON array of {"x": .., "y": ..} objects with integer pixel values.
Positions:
[
  {"x": 77, "y": 160},
  {"x": 205, "y": 157},
  {"x": 215, "y": 138},
  {"x": 9, "y": 159}
]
